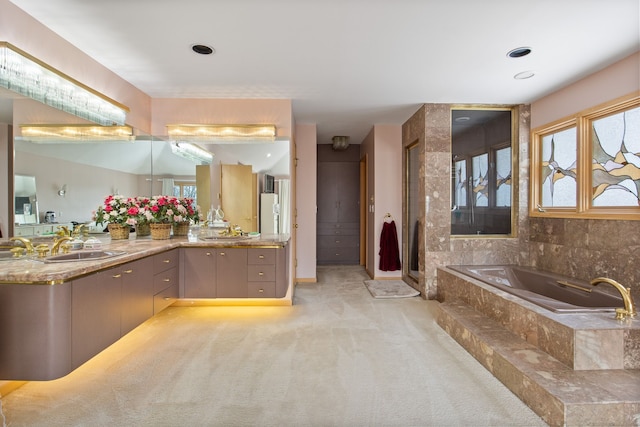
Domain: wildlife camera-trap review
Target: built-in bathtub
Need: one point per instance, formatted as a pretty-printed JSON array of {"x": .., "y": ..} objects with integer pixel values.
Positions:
[{"x": 554, "y": 292}]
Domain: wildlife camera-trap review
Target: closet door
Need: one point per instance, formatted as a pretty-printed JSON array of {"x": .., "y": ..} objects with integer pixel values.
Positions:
[{"x": 338, "y": 227}]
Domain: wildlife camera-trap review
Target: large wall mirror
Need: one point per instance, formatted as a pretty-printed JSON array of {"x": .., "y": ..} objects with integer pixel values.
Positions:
[
  {"x": 482, "y": 171},
  {"x": 74, "y": 176}
]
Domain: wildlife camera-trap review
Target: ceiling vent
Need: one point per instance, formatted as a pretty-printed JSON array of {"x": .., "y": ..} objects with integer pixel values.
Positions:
[{"x": 340, "y": 143}]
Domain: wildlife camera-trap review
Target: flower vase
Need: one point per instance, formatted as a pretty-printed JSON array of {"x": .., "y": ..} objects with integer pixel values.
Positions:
[
  {"x": 181, "y": 228},
  {"x": 143, "y": 229},
  {"x": 160, "y": 231},
  {"x": 118, "y": 231}
]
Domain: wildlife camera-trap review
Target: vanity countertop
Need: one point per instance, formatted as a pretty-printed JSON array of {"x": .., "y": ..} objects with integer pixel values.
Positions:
[{"x": 31, "y": 271}]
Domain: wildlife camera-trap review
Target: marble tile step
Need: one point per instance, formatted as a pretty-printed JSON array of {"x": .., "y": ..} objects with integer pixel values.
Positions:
[{"x": 558, "y": 394}]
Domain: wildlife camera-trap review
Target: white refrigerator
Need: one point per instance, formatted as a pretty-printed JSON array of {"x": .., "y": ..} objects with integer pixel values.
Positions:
[{"x": 269, "y": 213}]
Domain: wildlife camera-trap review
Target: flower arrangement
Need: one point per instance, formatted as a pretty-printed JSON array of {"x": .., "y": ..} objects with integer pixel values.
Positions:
[
  {"x": 116, "y": 209},
  {"x": 187, "y": 212}
]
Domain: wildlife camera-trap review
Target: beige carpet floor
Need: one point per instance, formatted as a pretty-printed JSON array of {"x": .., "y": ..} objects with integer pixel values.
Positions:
[{"x": 336, "y": 358}]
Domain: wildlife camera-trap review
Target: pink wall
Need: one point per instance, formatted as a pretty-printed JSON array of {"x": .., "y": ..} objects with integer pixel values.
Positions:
[
  {"x": 166, "y": 111},
  {"x": 306, "y": 177},
  {"x": 388, "y": 187},
  {"x": 383, "y": 148},
  {"x": 619, "y": 79}
]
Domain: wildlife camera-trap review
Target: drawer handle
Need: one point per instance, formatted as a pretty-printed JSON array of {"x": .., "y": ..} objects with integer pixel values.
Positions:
[
  {"x": 128, "y": 271},
  {"x": 208, "y": 253},
  {"x": 222, "y": 254},
  {"x": 116, "y": 276},
  {"x": 166, "y": 261},
  {"x": 261, "y": 290},
  {"x": 337, "y": 241},
  {"x": 261, "y": 257},
  {"x": 261, "y": 274},
  {"x": 167, "y": 298},
  {"x": 166, "y": 280}
]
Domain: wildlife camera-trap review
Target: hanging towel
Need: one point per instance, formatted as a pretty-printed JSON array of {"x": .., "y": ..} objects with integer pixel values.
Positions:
[{"x": 389, "y": 252}]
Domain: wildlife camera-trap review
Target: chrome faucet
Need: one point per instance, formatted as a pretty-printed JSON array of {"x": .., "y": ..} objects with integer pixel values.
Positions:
[
  {"x": 26, "y": 242},
  {"x": 629, "y": 309},
  {"x": 56, "y": 245}
]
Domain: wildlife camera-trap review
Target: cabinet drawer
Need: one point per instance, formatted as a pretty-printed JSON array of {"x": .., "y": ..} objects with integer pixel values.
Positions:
[
  {"x": 337, "y": 228},
  {"x": 262, "y": 290},
  {"x": 261, "y": 273},
  {"x": 165, "y": 298},
  {"x": 164, "y": 279},
  {"x": 165, "y": 260},
  {"x": 262, "y": 256},
  {"x": 338, "y": 241},
  {"x": 338, "y": 254}
]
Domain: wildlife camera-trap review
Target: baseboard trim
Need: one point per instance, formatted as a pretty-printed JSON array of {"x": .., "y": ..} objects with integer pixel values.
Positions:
[{"x": 306, "y": 280}]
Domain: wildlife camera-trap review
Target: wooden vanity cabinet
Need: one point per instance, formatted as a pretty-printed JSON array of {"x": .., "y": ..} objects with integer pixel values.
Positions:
[
  {"x": 165, "y": 279},
  {"x": 96, "y": 309},
  {"x": 199, "y": 267},
  {"x": 137, "y": 293},
  {"x": 253, "y": 272},
  {"x": 231, "y": 273},
  {"x": 107, "y": 305}
]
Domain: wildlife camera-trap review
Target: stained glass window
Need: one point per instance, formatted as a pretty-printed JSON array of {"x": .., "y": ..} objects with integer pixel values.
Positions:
[
  {"x": 615, "y": 176},
  {"x": 460, "y": 184},
  {"x": 588, "y": 165},
  {"x": 503, "y": 177},
  {"x": 558, "y": 173},
  {"x": 480, "y": 167}
]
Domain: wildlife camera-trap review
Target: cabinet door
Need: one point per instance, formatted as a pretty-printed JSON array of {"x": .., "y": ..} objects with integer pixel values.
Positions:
[
  {"x": 349, "y": 192},
  {"x": 96, "y": 310},
  {"x": 327, "y": 192},
  {"x": 231, "y": 273},
  {"x": 137, "y": 293},
  {"x": 199, "y": 273}
]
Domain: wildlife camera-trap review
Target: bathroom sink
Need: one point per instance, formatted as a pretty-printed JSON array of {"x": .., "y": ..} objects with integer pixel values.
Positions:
[{"x": 83, "y": 256}]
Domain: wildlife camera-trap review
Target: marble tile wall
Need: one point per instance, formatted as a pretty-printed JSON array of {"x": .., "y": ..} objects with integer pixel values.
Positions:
[
  {"x": 430, "y": 126},
  {"x": 588, "y": 248}
]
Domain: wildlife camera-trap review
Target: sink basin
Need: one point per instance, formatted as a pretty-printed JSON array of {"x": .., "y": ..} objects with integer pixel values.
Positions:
[{"x": 83, "y": 256}]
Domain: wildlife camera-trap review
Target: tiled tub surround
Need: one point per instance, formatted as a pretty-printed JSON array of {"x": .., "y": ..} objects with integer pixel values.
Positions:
[{"x": 572, "y": 369}]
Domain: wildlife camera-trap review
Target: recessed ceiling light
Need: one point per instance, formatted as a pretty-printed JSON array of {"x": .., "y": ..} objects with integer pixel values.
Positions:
[
  {"x": 524, "y": 75},
  {"x": 519, "y": 52},
  {"x": 202, "y": 49}
]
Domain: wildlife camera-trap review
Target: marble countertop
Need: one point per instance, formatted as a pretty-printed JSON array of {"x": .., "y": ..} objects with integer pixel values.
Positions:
[{"x": 28, "y": 270}]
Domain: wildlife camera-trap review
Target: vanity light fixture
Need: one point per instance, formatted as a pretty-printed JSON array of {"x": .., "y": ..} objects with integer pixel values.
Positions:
[
  {"x": 30, "y": 77},
  {"x": 222, "y": 134},
  {"x": 191, "y": 152},
  {"x": 75, "y": 133}
]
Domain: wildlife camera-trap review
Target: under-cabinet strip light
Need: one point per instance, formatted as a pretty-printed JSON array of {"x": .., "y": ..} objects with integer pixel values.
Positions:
[{"x": 30, "y": 77}]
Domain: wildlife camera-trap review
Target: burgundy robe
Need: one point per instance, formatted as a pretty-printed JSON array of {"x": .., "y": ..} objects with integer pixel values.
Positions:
[{"x": 389, "y": 252}]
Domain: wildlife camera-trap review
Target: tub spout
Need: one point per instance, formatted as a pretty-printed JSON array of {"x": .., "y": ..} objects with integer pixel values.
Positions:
[{"x": 629, "y": 306}]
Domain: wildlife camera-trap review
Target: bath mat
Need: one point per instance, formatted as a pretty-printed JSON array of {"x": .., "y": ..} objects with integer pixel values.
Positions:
[{"x": 390, "y": 289}]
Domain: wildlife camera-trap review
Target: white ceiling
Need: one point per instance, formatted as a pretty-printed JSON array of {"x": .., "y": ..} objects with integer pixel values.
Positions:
[{"x": 348, "y": 64}]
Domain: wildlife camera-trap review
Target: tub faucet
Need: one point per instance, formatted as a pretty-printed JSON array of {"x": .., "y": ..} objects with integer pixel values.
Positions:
[
  {"x": 629, "y": 306},
  {"x": 26, "y": 242}
]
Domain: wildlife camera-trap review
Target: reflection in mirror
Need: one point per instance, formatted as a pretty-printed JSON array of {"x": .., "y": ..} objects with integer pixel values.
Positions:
[
  {"x": 412, "y": 203},
  {"x": 481, "y": 190},
  {"x": 26, "y": 200}
]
